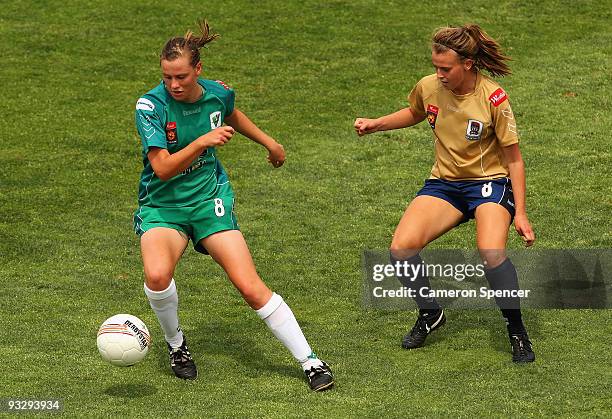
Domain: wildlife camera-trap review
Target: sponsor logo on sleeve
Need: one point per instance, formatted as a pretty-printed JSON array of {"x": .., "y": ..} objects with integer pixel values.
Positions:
[
  {"x": 145, "y": 104},
  {"x": 432, "y": 115},
  {"x": 171, "y": 135},
  {"x": 474, "y": 130},
  {"x": 222, "y": 83},
  {"x": 498, "y": 97},
  {"x": 215, "y": 119}
]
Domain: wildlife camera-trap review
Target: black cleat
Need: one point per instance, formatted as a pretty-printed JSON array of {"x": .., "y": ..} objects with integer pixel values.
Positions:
[
  {"x": 181, "y": 362},
  {"x": 320, "y": 377},
  {"x": 521, "y": 348},
  {"x": 425, "y": 324}
]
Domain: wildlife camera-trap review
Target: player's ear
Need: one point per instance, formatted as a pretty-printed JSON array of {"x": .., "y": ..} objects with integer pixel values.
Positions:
[
  {"x": 198, "y": 68},
  {"x": 468, "y": 64}
]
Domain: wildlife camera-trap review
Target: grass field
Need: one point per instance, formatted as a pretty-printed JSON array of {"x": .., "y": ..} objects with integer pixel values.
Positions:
[{"x": 71, "y": 73}]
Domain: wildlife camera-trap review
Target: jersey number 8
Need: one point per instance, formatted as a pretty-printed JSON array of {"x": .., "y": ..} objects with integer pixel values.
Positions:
[
  {"x": 487, "y": 189},
  {"x": 219, "y": 208}
]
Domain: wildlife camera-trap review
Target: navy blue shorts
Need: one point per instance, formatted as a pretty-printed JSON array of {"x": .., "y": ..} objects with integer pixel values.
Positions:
[{"x": 466, "y": 195}]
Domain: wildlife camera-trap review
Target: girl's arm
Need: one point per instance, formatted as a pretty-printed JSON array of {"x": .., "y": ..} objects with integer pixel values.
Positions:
[
  {"x": 166, "y": 165},
  {"x": 241, "y": 123},
  {"x": 401, "y": 119},
  {"x": 516, "y": 166}
]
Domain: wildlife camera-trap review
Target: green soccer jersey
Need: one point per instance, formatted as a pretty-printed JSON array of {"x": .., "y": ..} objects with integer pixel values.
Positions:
[{"x": 166, "y": 123}]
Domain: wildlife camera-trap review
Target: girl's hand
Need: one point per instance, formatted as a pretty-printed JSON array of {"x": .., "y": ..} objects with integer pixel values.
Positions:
[
  {"x": 276, "y": 155},
  {"x": 365, "y": 126},
  {"x": 217, "y": 137},
  {"x": 523, "y": 228}
]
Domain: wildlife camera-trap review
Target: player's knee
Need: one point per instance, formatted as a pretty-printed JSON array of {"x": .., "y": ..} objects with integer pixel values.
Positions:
[
  {"x": 252, "y": 298},
  {"x": 492, "y": 258},
  {"x": 405, "y": 249},
  {"x": 158, "y": 279},
  {"x": 255, "y": 297}
]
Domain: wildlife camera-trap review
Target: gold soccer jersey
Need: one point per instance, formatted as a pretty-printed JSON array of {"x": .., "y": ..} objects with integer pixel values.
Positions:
[{"x": 469, "y": 130}]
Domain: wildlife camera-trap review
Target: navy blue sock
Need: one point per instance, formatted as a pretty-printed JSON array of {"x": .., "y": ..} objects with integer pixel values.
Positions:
[
  {"x": 427, "y": 305},
  {"x": 504, "y": 277}
]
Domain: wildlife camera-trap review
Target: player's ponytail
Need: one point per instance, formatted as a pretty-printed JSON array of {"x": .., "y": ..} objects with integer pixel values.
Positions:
[
  {"x": 489, "y": 56},
  {"x": 178, "y": 46},
  {"x": 470, "y": 41}
]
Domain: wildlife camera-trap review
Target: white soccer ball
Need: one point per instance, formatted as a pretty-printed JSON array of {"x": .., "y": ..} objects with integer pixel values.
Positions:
[{"x": 123, "y": 340}]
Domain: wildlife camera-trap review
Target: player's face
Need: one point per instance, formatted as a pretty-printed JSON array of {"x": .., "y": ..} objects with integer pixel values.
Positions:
[
  {"x": 451, "y": 71},
  {"x": 181, "y": 79}
]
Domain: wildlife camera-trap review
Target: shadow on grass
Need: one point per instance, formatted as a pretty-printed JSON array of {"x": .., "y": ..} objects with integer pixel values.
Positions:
[
  {"x": 233, "y": 338},
  {"x": 498, "y": 335},
  {"x": 461, "y": 325},
  {"x": 131, "y": 391},
  {"x": 493, "y": 322}
]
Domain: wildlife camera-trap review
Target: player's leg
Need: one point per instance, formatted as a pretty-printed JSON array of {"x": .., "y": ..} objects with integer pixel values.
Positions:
[
  {"x": 425, "y": 219},
  {"x": 161, "y": 249},
  {"x": 492, "y": 225},
  {"x": 230, "y": 251}
]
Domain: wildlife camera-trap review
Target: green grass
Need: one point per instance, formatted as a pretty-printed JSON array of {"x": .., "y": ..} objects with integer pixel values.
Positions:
[{"x": 71, "y": 73}]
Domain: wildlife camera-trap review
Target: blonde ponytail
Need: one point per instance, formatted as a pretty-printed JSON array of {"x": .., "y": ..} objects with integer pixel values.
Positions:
[
  {"x": 179, "y": 46},
  {"x": 471, "y": 41}
]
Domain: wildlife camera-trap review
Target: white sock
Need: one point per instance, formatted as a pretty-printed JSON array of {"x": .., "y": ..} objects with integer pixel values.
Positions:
[
  {"x": 165, "y": 305},
  {"x": 281, "y": 321},
  {"x": 312, "y": 361}
]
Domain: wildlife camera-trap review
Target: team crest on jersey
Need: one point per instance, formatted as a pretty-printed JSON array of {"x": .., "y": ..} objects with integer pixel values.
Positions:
[
  {"x": 498, "y": 97},
  {"x": 432, "y": 115},
  {"x": 474, "y": 130},
  {"x": 215, "y": 120},
  {"x": 171, "y": 135}
]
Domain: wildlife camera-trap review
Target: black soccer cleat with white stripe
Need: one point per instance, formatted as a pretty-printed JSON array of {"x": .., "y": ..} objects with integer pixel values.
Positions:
[
  {"x": 521, "y": 348},
  {"x": 425, "y": 324},
  {"x": 320, "y": 377},
  {"x": 181, "y": 362}
]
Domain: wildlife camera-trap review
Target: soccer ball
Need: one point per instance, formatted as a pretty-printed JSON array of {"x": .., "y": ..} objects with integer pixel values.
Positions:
[{"x": 123, "y": 340}]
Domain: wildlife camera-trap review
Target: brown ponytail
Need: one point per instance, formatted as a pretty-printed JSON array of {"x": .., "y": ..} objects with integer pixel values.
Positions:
[
  {"x": 470, "y": 41},
  {"x": 178, "y": 46}
]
